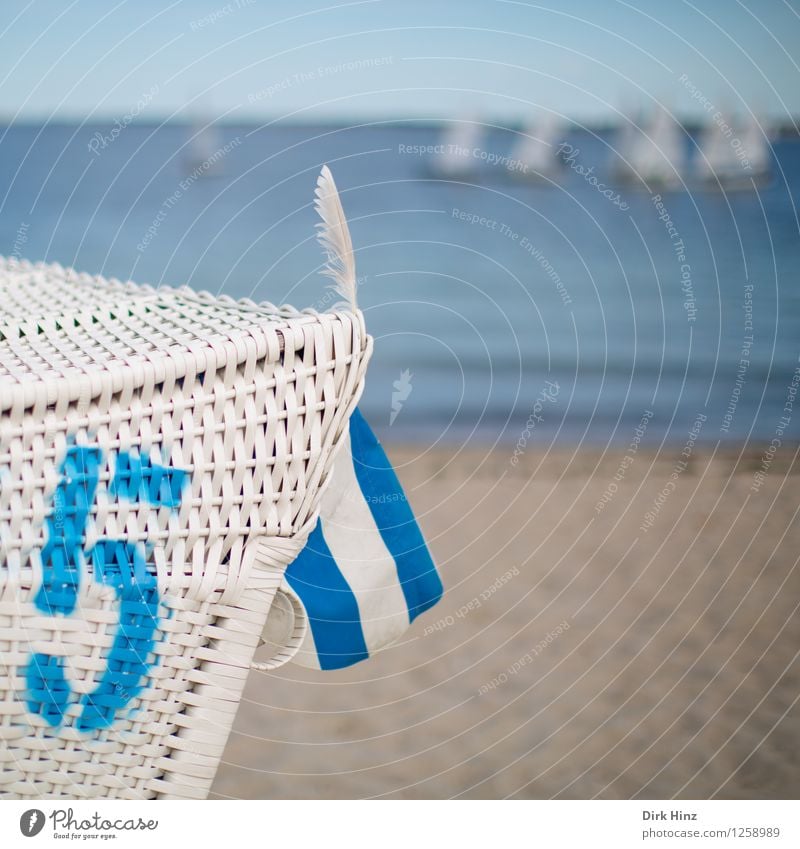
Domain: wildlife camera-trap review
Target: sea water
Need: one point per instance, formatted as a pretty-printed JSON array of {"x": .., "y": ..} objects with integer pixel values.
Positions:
[{"x": 671, "y": 307}]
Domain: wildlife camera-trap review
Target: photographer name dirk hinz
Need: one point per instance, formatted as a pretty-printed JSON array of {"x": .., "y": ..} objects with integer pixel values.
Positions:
[{"x": 673, "y": 815}]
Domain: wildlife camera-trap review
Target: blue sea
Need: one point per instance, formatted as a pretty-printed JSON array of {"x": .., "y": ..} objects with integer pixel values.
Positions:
[{"x": 502, "y": 309}]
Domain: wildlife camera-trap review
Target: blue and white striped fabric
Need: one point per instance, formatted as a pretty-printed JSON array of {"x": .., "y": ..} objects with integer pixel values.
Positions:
[{"x": 365, "y": 573}]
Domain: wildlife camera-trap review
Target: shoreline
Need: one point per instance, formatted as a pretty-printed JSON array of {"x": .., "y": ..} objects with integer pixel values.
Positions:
[{"x": 492, "y": 461}]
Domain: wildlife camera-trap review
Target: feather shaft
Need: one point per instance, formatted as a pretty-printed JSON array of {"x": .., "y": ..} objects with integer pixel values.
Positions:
[{"x": 334, "y": 236}]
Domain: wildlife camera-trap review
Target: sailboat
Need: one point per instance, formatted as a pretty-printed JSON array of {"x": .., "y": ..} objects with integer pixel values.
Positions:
[
  {"x": 534, "y": 156},
  {"x": 456, "y": 156},
  {"x": 202, "y": 153},
  {"x": 654, "y": 155},
  {"x": 716, "y": 158},
  {"x": 755, "y": 141},
  {"x": 732, "y": 161}
]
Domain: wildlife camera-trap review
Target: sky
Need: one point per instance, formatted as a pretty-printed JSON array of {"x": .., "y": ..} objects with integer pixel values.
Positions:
[{"x": 373, "y": 60}]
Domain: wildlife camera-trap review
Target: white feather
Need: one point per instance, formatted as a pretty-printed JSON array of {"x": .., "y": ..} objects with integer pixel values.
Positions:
[{"x": 334, "y": 236}]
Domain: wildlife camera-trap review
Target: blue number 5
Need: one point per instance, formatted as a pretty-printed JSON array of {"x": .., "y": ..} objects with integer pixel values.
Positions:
[{"x": 115, "y": 563}]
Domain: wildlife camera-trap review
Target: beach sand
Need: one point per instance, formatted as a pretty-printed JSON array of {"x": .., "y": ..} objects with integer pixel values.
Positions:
[{"x": 575, "y": 654}]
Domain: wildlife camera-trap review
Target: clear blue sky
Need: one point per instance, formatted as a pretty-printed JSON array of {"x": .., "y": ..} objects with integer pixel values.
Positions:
[{"x": 493, "y": 59}]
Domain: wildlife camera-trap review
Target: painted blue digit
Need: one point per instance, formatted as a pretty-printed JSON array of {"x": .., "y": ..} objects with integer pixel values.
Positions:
[
  {"x": 116, "y": 564},
  {"x": 62, "y": 555},
  {"x": 122, "y": 566},
  {"x": 138, "y": 479},
  {"x": 48, "y": 692}
]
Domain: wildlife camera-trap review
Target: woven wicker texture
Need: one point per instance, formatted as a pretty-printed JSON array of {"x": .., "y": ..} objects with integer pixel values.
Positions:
[{"x": 162, "y": 456}]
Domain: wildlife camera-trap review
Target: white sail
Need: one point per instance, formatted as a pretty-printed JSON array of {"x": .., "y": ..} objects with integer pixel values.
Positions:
[
  {"x": 755, "y": 145},
  {"x": 655, "y": 154},
  {"x": 457, "y": 150},
  {"x": 716, "y": 156},
  {"x": 202, "y": 150},
  {"x": 733, "y": 158},
  {"x": 535, "y": 153}
]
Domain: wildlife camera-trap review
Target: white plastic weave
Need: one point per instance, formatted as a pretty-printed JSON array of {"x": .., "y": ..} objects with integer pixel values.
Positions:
[{"x": 162, "y": 456}]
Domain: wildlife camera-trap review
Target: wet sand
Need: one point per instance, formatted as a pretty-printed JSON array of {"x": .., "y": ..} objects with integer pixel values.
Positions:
[{"x": 577, "y": 653}]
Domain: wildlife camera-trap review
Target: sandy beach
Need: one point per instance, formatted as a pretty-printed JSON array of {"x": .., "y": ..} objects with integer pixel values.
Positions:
[{"x": 611, "y": 628}]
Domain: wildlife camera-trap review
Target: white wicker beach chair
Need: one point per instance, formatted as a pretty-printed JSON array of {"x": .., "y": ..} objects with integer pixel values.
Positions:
[{"x": 162, "y": 459}]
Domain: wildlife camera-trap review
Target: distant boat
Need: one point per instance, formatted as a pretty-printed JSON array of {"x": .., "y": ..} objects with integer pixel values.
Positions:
[
  {"x": 755, "y": 141},
  {"x": 654, "y": 154},
  {"x": 202, "y": 157},
  {"x": 534, "y": 156},
  {"x": 733, "y": 159},
  {"x": 457, "y": 151}
]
